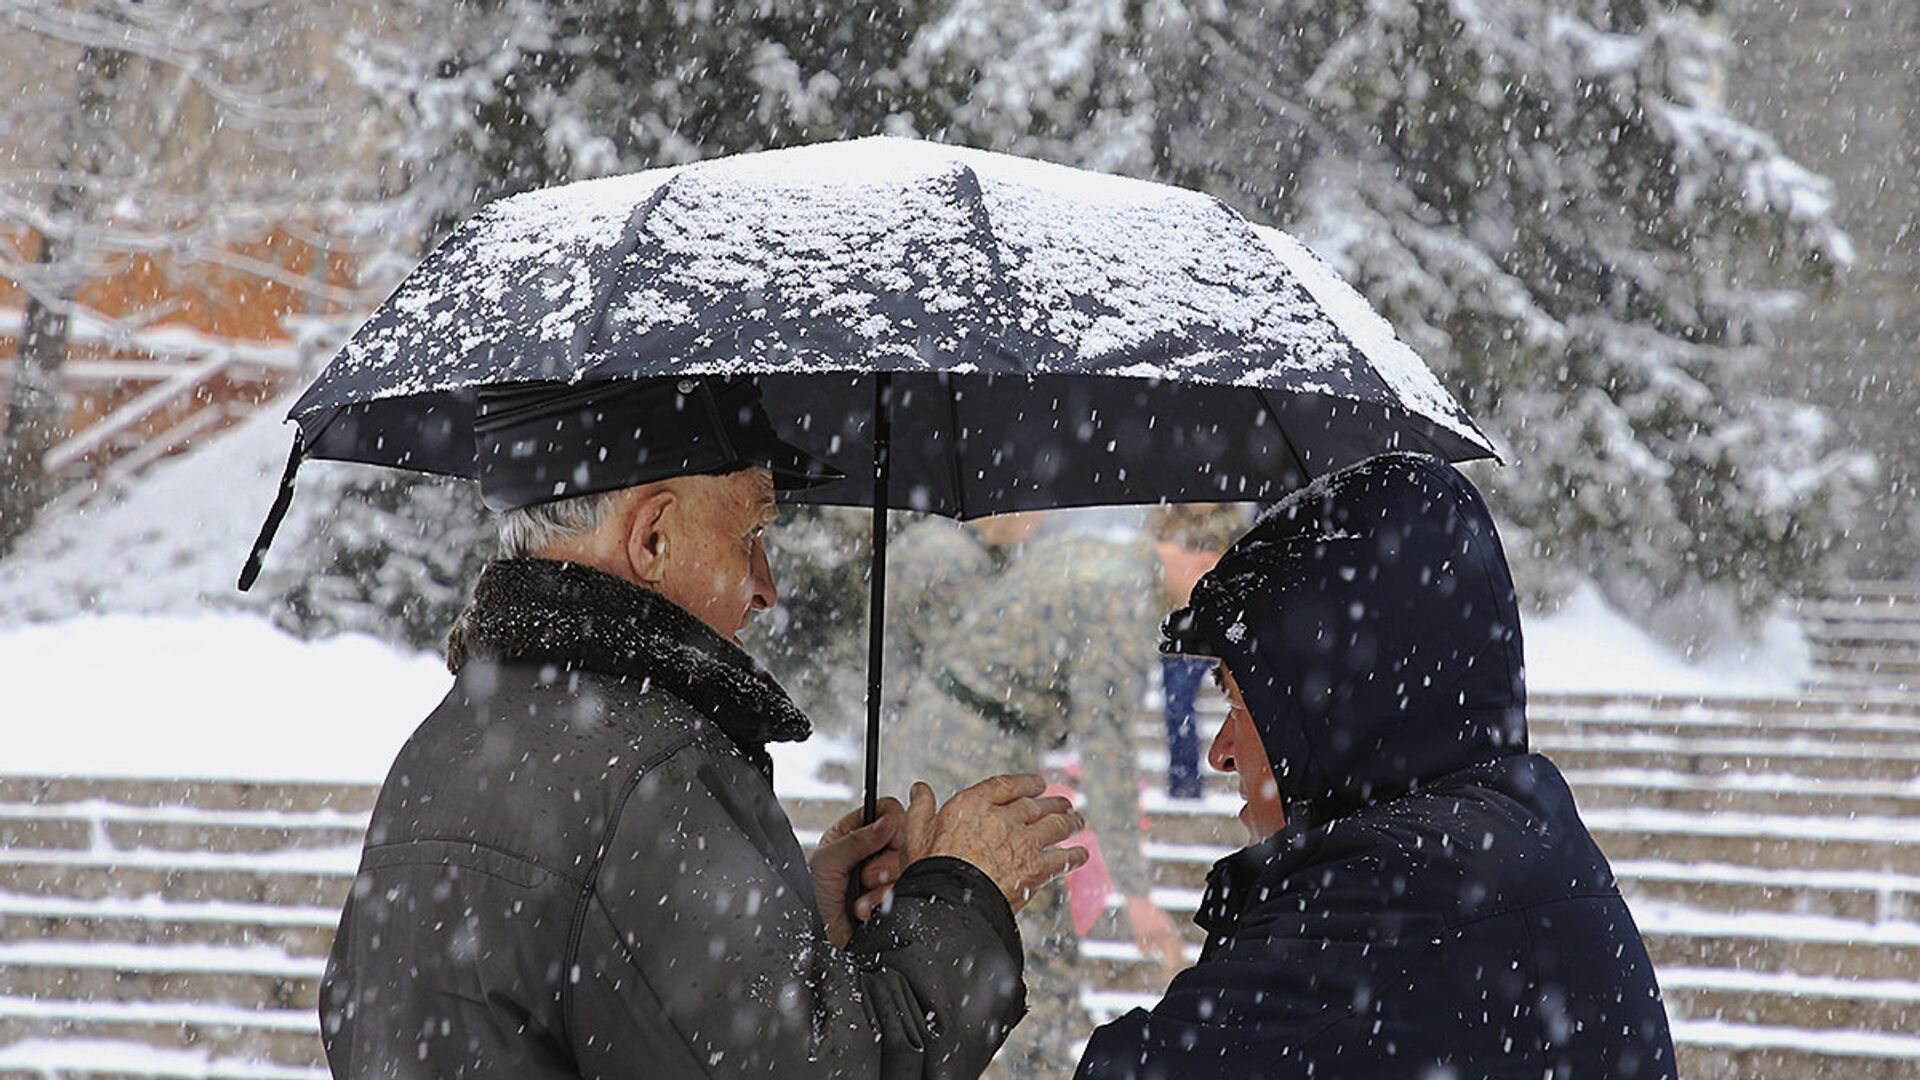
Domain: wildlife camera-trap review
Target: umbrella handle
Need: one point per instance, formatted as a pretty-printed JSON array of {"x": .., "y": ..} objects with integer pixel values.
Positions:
[{"x": 269, "y": 527}]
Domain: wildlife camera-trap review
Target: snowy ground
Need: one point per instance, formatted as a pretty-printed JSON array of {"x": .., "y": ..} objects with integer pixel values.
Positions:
[
  {"x": 229, "y": 695},
  {"x": 1588, "y": 646},
  {"x": 214, "y": 695},
  {"x": 222, "y": 696}
]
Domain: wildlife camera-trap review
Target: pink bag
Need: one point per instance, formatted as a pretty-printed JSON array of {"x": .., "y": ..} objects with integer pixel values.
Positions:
[{"x": 1089, "y": 886}]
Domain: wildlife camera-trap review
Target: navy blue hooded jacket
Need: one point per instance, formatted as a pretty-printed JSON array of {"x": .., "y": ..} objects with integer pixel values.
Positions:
[{"x": 1434, "y": 907}]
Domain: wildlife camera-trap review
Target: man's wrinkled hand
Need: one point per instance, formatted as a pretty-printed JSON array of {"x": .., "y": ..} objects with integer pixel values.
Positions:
[
  {"x": 1005, "y": 826},
  {"x": 879, "y": 850}
]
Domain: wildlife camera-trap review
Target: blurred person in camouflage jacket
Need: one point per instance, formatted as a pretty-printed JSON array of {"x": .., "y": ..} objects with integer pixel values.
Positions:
[
  {"x": 936, "y": 567},
  {"x": 1053, "y": 653}
]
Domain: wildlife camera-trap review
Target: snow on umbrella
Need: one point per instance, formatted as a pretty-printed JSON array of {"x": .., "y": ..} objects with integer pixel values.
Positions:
[{"x": 1050, "y": 337}]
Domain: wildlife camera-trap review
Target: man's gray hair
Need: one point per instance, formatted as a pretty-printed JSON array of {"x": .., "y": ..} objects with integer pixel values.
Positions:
[{"x": 532, "y": 529}]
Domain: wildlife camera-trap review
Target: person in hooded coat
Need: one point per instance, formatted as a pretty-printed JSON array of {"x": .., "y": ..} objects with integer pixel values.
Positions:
[{"x": 1431, "y": 904}]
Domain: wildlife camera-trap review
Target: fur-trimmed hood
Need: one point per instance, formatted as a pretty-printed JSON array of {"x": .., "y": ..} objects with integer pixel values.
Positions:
[{"x": 579, "y": 618}]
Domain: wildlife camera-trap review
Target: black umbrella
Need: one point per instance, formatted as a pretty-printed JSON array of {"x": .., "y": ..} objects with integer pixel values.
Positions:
[{"x": 994, "y": 334}]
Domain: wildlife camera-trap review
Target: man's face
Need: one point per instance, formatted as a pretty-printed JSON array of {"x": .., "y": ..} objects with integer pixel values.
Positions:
[
  {"x": 1238, "y": 750},
  {"x": 718, "y": 569}
]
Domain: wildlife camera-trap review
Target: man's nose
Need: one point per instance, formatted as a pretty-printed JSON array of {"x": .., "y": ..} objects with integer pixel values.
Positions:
[
  {"x": 765, "y": 593},
  {"x": 1220, "y": 751}
]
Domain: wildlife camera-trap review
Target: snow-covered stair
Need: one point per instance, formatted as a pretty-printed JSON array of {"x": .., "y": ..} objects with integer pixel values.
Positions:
[
  {"x": 169, "y": 929},
  {"x": 1771, "y": 851},
  {"x": 1865, "y": 634}
]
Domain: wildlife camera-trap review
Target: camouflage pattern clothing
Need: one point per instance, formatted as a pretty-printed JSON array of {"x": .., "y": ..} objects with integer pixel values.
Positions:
[
  {"x": 934, "y": 567},
  {"x": 1054, "y": 652}
]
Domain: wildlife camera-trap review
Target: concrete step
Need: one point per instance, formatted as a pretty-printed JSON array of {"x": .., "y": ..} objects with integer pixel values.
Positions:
[
  {"x": 1861, "y": 896},
  {"x": 1672, "y": 858},
  {"x": 1791, "y": 1000},
  {"x": 265, "y": 796},
  {"x": 248, "y": 977},
  {"x": 315, "y": 879},
  {"x": 1839, "y": 637},
  {"x": 1867, "y": 683},
  {"x": 1713, "y": 826},
  {"x": 1867, "y": 896},
  {"x": 1717, "y": 1050},
  {"x": 1852, "y": 734},
  {"x": 1784, "y": 842},
  {"x": 1860, "y": 727},
  {"x": 1805, "y": 703},
  {"x": 1888, "y": 592},
  {"x": 1731, "y": 757},
  {"x": 1718, "y": 758},
  {"x": 1801, "y": 945},
  {"x": 269, "y": 1036},
  {"x": 1867, "y": 660},
  {"x": 292, "y": 930},
  {"x": 1658, "y": 780},
  {"x": 1821, "y": 617},
  {"x": 114, "y": 1059},
  {"x": 255, "y": 975},
  {"x": 1680, "y": 935},
  {"x": 1743, "y": 794},
  {"x": 1783, "y": 850},
  {"x": 79, "y": 827}
]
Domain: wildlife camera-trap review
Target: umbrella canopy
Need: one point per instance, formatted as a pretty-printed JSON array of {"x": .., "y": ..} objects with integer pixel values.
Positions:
[
  {"x": 992, "y": 287},
  {"x": 1040, "y": 336}
]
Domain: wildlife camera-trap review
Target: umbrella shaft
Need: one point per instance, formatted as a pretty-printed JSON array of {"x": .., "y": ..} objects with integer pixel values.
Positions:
[{"x": 877, "y": 597}]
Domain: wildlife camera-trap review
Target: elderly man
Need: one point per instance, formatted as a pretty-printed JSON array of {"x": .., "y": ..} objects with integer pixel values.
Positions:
[
  {"x": 1421, "y": 899},
  {"x": 577, "y": 866}
]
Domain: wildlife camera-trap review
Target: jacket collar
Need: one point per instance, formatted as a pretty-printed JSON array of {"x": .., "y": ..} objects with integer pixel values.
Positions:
[
  {"x": 1231, "y": 882},
  {"x": 545, "y": 611}
]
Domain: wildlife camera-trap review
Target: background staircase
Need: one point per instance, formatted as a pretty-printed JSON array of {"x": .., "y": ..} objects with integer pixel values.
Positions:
[
  {"x": 1770, "y": 850},
  {"x": 1866, "y": 635}
]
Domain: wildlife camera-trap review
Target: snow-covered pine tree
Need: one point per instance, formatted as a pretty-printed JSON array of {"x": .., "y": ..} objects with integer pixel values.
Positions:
[
  {"x": 1550, "y": 203},
  {"x": 499, "y": 96},
  {"x": 1546, "y": 198},
  {"x": 391, "y": 554}
]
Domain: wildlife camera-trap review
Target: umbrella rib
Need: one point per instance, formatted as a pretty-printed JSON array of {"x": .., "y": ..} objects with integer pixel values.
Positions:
[
  {"x": 588, "y": 331},
  {"x": 1306, "y": 471},
  {"x": 968, "y": 182}
]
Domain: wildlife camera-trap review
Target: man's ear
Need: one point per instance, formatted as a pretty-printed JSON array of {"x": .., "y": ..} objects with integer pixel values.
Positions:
[{"x": 649, "y": 522}]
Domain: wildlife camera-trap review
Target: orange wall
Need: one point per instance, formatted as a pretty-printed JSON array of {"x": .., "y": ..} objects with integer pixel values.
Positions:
[{"x": 217, "y": 300}]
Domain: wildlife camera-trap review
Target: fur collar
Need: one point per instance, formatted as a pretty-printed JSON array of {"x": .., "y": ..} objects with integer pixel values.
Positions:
[{"x": 544, "y": 611}]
